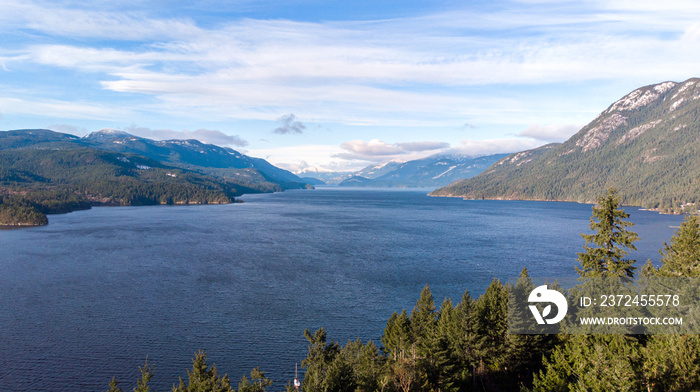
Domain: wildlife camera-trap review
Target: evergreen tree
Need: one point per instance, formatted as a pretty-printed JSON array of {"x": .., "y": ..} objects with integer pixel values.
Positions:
[
  {"x": 397, "y": 334},
  {"x": 599, "y": 363},
  {"x": 202, "y": 378},
  {"x": 114, "y": 386},
  {"x": 366, "y": 363},
  {"x": 491, "y": 328},
  {"x": 257, "y": 382},
  {"x": 682, "y": 256},
  {"x": 525, "y": 351},
  {"x": 672, "y": 363},
  {"x": 423, "y": 316},
  {"x": 319, "y": 361},
  {"x": 145, "y": 378},
  {"x": 443, "y": 374},
  {"x": 606, "y": 249},
  {"x": 466, "y": 337}
]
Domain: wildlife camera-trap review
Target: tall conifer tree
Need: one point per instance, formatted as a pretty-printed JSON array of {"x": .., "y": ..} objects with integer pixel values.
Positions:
[
  {"x": 611, "y": 242},
  {"x": 682, "y": 256}
]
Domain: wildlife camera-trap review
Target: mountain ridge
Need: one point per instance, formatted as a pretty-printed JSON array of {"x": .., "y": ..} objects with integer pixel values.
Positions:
[
  {"x": 46, "y": 172},
  {"x": 646, "y": 144},
  {"x": 249, "y": 172},
  {"x": 434, "y": 171}
]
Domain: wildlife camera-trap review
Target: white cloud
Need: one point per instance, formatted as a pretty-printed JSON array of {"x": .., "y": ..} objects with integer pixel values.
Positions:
[
  {"x": 478, "y": 148},
  {"x": 550, "y": 133},
  {"x": 434, "y": 70},
  {"x": 378, "y": 150},
  {"x": 355, "y": 155},
  {"x": 50, "y": 18},
  {"x": 372, "y": 148},
  {"x": 68, "y": 128},
  {"x": 423, "y": 146},
  {"x": 296, "y": 158},
  {"x": 215, "y": 137},
  {"x": 63, "y": 109}
]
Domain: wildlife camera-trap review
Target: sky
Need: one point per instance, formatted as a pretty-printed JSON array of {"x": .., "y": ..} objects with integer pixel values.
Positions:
[{"x": 325, "y": 85}]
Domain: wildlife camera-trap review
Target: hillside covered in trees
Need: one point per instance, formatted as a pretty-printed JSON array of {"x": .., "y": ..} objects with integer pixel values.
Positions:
[
  {"x": 45, "y": 172},
  {"x": 647, "y": 145},
  {"x": 467, "y": 347},
  {"x": 34, "y": 183}
]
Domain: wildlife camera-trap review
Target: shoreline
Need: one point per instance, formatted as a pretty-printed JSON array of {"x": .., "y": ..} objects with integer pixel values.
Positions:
[
  {"x": 23, "y": 225},
  {"x": 563, "y": 201}
]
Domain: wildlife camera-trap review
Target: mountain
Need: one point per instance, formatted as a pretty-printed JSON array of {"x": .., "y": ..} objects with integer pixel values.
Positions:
[
  {"x": 313, "y": 181},
  {"x": 328, "y": 177},
  {"x": 197, "y": 156},
  {"x": 357, "y": 181},
  {"x": 647, "y": 145},
  {"x": 44, "y": 172},
  {"x": 253, "y": 174},
  {"x": 434, "y": 171},
  {"x": 35, "y": 182},
  {"x": 316, "y": 177},
  {"x": 375, "y": 171}
]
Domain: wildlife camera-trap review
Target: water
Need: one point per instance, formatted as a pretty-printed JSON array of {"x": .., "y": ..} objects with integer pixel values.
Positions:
[{"x": 95, "y": 293}]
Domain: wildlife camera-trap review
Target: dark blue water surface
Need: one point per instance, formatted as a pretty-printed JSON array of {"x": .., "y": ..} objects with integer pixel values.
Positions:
[{"x": 95, "y": 293}]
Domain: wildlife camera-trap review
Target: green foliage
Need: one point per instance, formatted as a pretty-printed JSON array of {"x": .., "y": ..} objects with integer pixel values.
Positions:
[
  {"x": 34, "y": 183},
  {"x": 682, "y": 256},
  {"x": 592, "y": 363},
  {"x": 319, "y": 361},
  {"x": 355, "y": 367},
  {"x": 397, "y": 336},
  {"x": 257, "y": 383},
  {"x": 207, "y": 379},
  {"x": 491, "y": 327},
  {"x": 611, "y": 240},
  {"x": 423, "y": 315},
  {"x": 114, "y": 386},
  {"x": 525, "y": 352},
  {"x": 672, "y": 363},
  {"x": 144, "y": 378},
  {"x": 21, "y": 214}
]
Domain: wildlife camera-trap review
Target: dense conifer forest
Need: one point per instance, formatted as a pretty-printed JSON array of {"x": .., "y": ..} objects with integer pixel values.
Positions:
[{"x": 34, "y": 183}]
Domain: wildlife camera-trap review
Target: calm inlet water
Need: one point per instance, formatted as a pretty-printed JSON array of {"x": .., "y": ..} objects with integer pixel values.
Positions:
[{"x": 95, "y": 293}]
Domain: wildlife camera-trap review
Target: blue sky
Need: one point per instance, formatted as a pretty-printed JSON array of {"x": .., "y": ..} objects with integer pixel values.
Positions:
[{"x": 337, "y": 85}]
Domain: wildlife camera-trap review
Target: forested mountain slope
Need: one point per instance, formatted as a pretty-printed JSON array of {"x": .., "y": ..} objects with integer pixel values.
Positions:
[
  {"x": 647, "y": 145},
  {"x": 44, "y": 172}
]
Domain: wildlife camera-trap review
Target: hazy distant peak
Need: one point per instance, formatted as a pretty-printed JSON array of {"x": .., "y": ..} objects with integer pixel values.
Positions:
[
  {"x": 453, "y": 156},
  {"x": 108, "y": 133}
]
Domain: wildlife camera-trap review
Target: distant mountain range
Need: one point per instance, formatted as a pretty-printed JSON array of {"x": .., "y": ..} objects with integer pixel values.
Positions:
[
  {"x": 430, "y": 172},
  {"x": 646, "y": 144}
]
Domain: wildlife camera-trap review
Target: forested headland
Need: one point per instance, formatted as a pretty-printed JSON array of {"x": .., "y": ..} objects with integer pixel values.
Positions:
[
  {"x": 465, "y": 346},
  {"x": 34, "y": 183}
]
